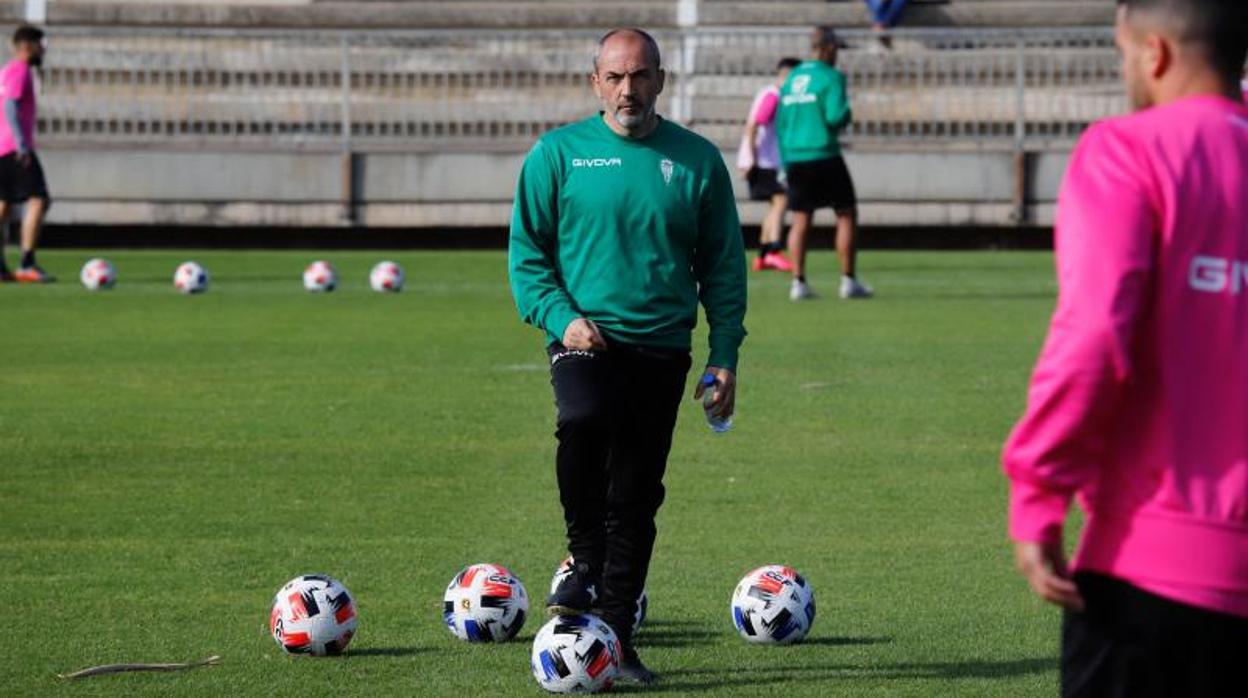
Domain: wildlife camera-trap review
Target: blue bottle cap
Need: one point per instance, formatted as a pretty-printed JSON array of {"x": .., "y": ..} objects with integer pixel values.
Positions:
[{"x": 708, "y": 379}]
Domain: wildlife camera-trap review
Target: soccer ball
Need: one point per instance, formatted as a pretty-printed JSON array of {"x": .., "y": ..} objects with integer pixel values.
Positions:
[
  {"x": 575, "y": 654},
  {"x": 320, "y": 277},
  {"x": 313, "y": 614},
  {"x": 386, "y": 277},
  {"x": 773, "y": 605},
  {"x": 485, "y": 603},
  {"x": 565, "y": 570},
  {"x": 98, "y": 274},
  {"x": 190, "y": 278}
]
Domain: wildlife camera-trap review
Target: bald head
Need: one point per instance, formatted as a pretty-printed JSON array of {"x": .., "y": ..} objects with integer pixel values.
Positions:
[
  {"x": 1215, "y": 31},
  {"x": 628, "y": 78},
  {"x": 631, "y": 41}
]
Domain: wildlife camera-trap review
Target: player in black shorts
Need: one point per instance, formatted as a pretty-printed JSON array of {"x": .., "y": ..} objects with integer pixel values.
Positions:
[
  {"x": 758, "y": 159},
  {"x": 21, "y": 174},
  {"x": 825, "y": 183},
  {"x": 814, "y": 107}
]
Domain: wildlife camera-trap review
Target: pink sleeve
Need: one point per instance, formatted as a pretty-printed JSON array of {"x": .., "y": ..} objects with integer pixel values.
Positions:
[
  {"x": 14, "y": 82},
  {"x": 1104, "y": 240},
  {"x": 766, "y": 109}
]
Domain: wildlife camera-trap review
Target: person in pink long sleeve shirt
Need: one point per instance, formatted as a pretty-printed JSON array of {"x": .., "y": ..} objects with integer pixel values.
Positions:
[
  {"x": 758, "y": 160},
  {"x": 21, "y": 174},
  {"x": 1138, "y": 406}
]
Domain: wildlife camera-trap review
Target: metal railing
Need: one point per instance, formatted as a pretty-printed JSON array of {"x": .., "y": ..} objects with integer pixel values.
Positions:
[{"x": 440, "y": 89}]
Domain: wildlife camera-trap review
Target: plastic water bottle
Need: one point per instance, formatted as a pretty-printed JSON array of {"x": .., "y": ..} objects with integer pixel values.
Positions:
[{"x": 710, "y": 388}]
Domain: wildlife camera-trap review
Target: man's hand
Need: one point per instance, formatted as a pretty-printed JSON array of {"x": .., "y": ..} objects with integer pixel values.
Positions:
[
  {"x": 725, "y": 401},
  {"x": 583, "y": 335},
  {"x": 1044, "y": 566}
]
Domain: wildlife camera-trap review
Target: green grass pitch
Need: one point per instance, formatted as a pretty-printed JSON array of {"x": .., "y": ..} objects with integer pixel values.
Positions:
[{"x": 167, "y": 462}]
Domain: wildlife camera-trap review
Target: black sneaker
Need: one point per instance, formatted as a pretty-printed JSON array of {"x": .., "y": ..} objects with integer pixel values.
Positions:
[
  {"x": 576, "y": 595},
  {"x": 631, "y": 668},
  {"x": 6, "y": 276}
]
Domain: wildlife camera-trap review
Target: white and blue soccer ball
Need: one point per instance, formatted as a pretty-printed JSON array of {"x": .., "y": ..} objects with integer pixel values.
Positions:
[
  {"x": 485, "y": 603},
  {"x": 576, "y": 654},
  {"x": 564, "y": 570},
  {"x": 190, "y": 277},
  {"x": 313, "y": 614},
  {"x": 98, "y": 274},
  {"x": 386, "y": 277},
  {"x": 320, "y": 277},
  {"x": 773, "y": 605}
]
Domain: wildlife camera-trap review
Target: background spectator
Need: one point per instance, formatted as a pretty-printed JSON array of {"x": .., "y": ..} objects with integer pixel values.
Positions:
[
  {"x": 885, "y": 14},
  {"x": 758, "y": 159}
]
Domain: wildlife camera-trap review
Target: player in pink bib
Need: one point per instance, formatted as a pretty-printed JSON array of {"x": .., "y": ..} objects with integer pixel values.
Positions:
[
  {"x": 1138, "y": 407},
  {"x": 758, "y": 159},
  {"x": 21, "y": 174}
]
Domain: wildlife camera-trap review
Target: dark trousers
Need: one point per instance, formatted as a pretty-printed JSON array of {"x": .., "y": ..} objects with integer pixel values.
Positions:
[
  {"x": 1130, "y": 643},
  {"x": 616, "y": 413},
  {"x": 886, "y": 12}
]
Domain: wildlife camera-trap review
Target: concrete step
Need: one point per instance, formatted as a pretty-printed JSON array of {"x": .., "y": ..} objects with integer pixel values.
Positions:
[
  {"x": 349, "y": 15},
  {"x": 432, "y": 14}
]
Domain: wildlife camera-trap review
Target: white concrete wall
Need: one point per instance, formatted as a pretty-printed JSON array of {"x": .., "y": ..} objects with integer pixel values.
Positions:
[{"x": 445, "y": 189}]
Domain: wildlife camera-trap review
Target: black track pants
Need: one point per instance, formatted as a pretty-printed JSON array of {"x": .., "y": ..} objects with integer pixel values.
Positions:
[
  {"x": 616, "y": 413},
  {"x": 1129, "y": 643}
]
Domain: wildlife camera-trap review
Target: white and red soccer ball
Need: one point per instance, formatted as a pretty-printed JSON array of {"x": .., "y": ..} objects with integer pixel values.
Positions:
[
  {"x": 190, "y": 277},
  {"x": 485, "y": 603},
  {"x": 564, "y": 570},
  {"x": 386, "y": 277},
  {"x": 313, "y": 614},
  {"x": 320, "y": 277},
  {"x": 98, "y": 274},
  {"x": 575, "y": 654},
  {"x": 773, "y": 605}
]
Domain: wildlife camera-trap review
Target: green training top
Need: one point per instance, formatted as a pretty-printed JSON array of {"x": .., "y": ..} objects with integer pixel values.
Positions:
[
  {"x": 629, "y": 234},
  {"x": 814, "y": 107}
]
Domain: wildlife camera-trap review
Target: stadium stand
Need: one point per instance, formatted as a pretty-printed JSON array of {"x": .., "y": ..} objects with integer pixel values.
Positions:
[
  {"x": 974, "y": 119},
  {"x": 289, "y": 88},
  {"x": 503, "y": 14}
]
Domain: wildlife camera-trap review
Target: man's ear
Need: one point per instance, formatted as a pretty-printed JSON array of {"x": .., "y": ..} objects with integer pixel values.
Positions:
[
  {"x": 596, "y": 84},
  {"x": 1158, "y": 56},
  {"x": 662, "y": 80}
]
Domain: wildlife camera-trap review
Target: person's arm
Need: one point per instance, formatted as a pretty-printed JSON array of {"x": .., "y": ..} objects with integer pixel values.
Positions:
[
  {"x": 750, "y": 150},
  {"x": 836, "y": 112},
  {"x": 531, "y": 257},
  {"x": 15, "y": 126},
  {"x": 1105, "y": 237},
  {"x": 719, "y": 267},
  {"x": 764, "y": 115}
]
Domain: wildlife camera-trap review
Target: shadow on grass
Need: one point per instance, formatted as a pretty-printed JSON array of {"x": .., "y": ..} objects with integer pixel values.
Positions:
[
  {"x": 846, "y": 641},
  {"x": 675, "y": 633},
  {"x": 716, "y": 678},
  {"x": 389, "y": 651}
]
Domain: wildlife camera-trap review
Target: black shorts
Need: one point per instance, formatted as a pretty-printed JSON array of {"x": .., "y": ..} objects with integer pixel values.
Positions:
[
  {"x": 764, "y": 183},
  {"x": 1130, "y": 643},
  {"x": 20, "y": 182},
  {"x": 821, "y": 184}
]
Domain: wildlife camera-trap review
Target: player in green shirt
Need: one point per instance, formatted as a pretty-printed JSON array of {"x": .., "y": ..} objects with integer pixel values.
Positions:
[
  {"x": 623, "y": 222},
  {"x": 814, "y": 107}
]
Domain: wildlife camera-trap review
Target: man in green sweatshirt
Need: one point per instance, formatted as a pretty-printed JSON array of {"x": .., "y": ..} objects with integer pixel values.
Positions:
[
  {"x": 622, "y": 223},
  {"x": 814, "y": 107}
]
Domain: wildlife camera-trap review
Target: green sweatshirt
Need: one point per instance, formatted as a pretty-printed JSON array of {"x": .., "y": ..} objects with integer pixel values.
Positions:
[
  {"x": 814, "y": 107},
  {"x": 629, "y": 234}
]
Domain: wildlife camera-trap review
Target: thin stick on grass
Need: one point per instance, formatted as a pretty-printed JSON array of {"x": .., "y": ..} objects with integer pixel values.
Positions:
[{"x": 118, "y": 668}]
